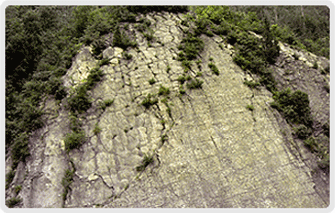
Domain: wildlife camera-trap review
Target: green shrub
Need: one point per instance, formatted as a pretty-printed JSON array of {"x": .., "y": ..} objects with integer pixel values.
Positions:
[
  {"x": 93, "y": 78},
  {"x": 67, "y": 181},
  {"x": 163, "y": 91},
  {"x": 191, "y": 47},
  {"x": 312, "y": 144},
  {"x": 181, "y": 79},
  {"x": 164, "y": 138},
  {"x": 152, "y": 81},
  {"x": 108, "y": 102},
  {"x": 250, "y": 107},
  {"x": 214, "y": 69},
  {"x": 147, "y": 102},
  {"x": 104, "y": 61},
  {"x": 147, "y": 160},
  {"x": 74, "y": 140},
  {"x": 98, "y": 45},
  {"x": 294, "y": 106},
  {"x": 79, "y": 102},
  {"x": 127, "y": 56},
  {"x": 195, "y": 84},
  {"x": 121, "y": 39},
  {"x": 181, "y": 90},
  {"x": 251, "y": 84},
  {"x": 96, "y": 129},
  {"x": 199, "y": 74},
  {"x": 17, "y": 189},
  {"x": 10, "y": 203},
  {"x": 9, "y": 178},
  {"x": 302, "y": 132},
  {"x": 315, "y": 65}
]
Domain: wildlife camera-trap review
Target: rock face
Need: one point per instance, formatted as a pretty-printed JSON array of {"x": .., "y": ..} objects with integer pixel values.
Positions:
[{"x": 208, "y": 149}]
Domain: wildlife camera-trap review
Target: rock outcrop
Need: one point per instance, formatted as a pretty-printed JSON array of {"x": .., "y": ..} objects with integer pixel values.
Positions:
[{"x": 208, "y": 149}]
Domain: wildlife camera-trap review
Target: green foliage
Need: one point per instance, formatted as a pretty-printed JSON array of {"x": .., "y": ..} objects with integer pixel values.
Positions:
[
  {"x": 17, "y": 189},
  {"x": 164, "y": 138},
  {"x": 181, "y": 90},
  {"x": 195, "y": 84},
  {"x": 9, "y": 178},
  {"x": 67, "y": 181},
  {"x": 294, "y": 106},
  {"x": 96, "y": 129},
  {"x": 152, "y": 81},
  {"x": 163, "y": 91},
  {"x": 181, "y": 79},
  {"x": 108, "y": 102},
  {"x": 250, "y": 107},
  {"x": 10, "y": 203},
  {"x": 252, "y": 84},
  {"x": 104, "y": 61},
  {"x": 315, "y": 65},
  {"x": 302, "y": 131},
  {"x": 79, "y": 102},
  {"x": 147, "y": 160},
  {"x": 191, "y": 47},
  {"x": 127, "y": 56},
  {"x": 148, "y": 101},
  {"x": 121, "y": 39},
  {"x": 74, "y": 140},
  {"x": 214, "y": 69}
]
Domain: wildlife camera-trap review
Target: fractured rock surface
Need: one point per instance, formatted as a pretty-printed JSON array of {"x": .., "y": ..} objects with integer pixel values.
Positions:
[{"x": 217, "y": 153}]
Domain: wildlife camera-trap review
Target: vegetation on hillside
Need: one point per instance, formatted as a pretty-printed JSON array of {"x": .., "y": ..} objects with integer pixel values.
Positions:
[{"x": 41, "y": 42}]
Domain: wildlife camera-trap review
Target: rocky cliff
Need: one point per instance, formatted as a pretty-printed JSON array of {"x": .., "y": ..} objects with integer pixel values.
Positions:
[{"x": 220, "y": 144}]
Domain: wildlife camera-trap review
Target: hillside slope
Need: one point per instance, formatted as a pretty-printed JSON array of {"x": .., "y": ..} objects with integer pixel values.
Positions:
[{"x": 218, "y": 144}]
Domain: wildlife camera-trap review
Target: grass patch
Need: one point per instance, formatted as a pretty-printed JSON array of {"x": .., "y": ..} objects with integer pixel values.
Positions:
[
  {"x": 252, "y": 84},
  {"x": 214, "y": 69},
  {"x": 74, "y": 140},
  {"x": 10, "y": 203},
  {"x": 194, "y": 84},
  {"x": 147, "y": 160},
  {"x": 152, "y": 81},
  {"x": 163, "y": 91},
  {"x": 250, "y": 107},
  {"x": 149, "y": 101}
]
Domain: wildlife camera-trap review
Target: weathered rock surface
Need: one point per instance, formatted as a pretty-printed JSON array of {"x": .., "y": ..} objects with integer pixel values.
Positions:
[{"x": 218, "y": 153}]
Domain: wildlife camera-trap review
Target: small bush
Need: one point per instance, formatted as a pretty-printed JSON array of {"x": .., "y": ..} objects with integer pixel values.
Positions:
[
  {"x": 67, "y": 181},
  {"x": 163, "y": 91},
  {"x": 315, "y": 65},
  {"x": 195, "y": 84},
  {"x": 214, "y": 69},
  {"x": 147, "y": 102},
  {"x": 17, "y": 189},
  {"x": 302, "y": 132},
  {"x": 13, "y": 202},
  {"x": 127, "y": 56},
  {"x": 294, "y": 106},
  {"x": 311, "y": 143},
  {"x": 251, "y": 84},
  {"x": 9, "y": 178},
  {"x": 104, "y": 61},
  {"x": 96, "y": 129},
  {"x": 147, "y": 160},
  {"x": 74, "y": 140},
  {"x": 199, "y": 74},
  {"x": 152, "y": 81},
  {"x": 181, "y": 79},
  {"x": 168, "y": 68},
  {"x": 108, "y": 102},
  {"x": 250, "y": 107},
  {"x": 181, "y": 90},
  {"x": 164, "y": 138}
]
